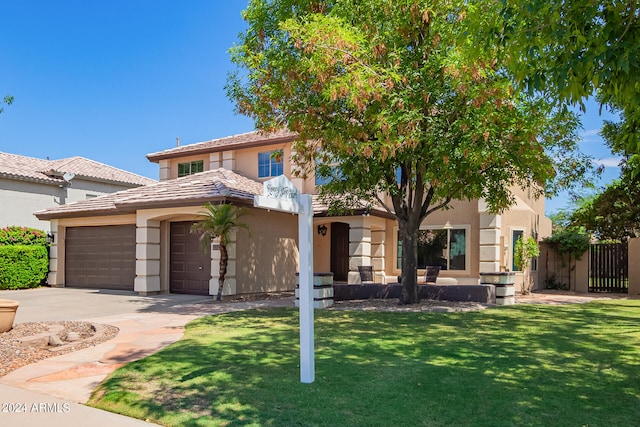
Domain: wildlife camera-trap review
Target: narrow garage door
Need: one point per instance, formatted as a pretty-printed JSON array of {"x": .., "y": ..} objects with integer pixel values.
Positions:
[
  {"x": 190, "y": 265},
  {"x": 101, "y": 257}
]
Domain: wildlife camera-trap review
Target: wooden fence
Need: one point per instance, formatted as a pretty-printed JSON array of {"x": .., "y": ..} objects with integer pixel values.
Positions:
[
  {"x": 609, "y": 267},
  {"x": 599, "y": 270}
]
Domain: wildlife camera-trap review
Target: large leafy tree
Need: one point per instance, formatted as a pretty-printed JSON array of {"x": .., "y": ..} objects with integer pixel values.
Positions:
[
  {"x": 416, "y": 111},
  {"x": 573, "y": 49},
  {"x": 614, "y": 212},
  {"x": 220, "y": 221}
]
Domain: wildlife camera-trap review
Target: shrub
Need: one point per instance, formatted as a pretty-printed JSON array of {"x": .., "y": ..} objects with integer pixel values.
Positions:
[
  {"x": 552, "y": 283},
  {"x": 572, "y": 241},
  {"x": 23, "y": 266},
  {"x": 15, "y": 235}
]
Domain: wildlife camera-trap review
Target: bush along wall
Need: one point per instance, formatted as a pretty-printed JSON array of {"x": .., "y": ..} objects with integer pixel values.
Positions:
[
  {"x": 23, "y": 266},
  {"x": 24, "y": 257},
  {"x": 16, "y": 235}
]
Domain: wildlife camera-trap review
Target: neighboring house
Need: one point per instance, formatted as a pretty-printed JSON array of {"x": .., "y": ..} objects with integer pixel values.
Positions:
[
  {"x": 28, "y": 185},
  {"x": 140, "y": 239}
]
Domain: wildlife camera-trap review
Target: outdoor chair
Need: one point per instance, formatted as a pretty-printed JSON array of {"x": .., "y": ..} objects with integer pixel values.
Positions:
[
  {"x": 431, "y": 275},
  {"x": 367, "y": 274}
]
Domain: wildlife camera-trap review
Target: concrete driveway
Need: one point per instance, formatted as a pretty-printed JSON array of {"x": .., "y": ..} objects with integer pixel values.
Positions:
[
  {"x": 146, "y": 324},
  {"x": 54, "y": 304}
]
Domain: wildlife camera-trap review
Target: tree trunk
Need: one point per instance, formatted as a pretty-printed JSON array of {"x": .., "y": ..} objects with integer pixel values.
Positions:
[
  {"x": 224, "y": 258},
  {"x": 409, "y": 234}
]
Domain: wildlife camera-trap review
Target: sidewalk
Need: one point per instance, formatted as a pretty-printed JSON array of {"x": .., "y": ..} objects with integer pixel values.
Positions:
[
  {"x": 565, "y": 297},
  {"x": 24, "y": 408},
  {"x": 59, "y": 383}
]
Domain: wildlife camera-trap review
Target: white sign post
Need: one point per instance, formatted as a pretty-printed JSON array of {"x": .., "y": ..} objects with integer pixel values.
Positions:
[{"x": 281, "y": 195}]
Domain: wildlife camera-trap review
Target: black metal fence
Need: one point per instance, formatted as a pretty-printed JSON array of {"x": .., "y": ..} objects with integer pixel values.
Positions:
[{"x": 609, "y": 267}]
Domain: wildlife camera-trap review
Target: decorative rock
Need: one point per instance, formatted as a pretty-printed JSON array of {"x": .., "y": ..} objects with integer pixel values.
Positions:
[
  {"x": 73, "y": 336},
  {"x": 55, "y": 341}
]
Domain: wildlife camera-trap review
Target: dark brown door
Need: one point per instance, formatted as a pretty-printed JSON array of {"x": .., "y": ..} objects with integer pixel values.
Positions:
[
  {"x": 190, "y": 269},
  {"x": 340, "y": 251},
  {"x": 100, "y": 257}
]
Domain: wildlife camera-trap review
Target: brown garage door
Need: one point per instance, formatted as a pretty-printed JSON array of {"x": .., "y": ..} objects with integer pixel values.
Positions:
[
  {"x": 101, "y": 257},
  {"x": 190, "y": 266}
]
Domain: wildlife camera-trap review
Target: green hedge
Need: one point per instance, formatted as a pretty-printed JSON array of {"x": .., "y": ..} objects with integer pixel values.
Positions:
[
  {"x": 23, "y": 266},
  {"x": 16, "y": 235}
]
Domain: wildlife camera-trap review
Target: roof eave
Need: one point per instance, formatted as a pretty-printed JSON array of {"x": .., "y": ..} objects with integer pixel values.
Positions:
[
  {"x": 45, "y": 216},
  {"x": 112, "y": 181},
  {"x": 156, "y": 157},
  {"x": 132, "y": 208}
]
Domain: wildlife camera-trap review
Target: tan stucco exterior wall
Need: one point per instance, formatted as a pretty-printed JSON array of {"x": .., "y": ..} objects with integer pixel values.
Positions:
[
  {"x": 634, "y": 267},
  {"x": 172, "y": 165},
  {"x": 321, "y": 246},
  {"x": 267, "y": 257},
  {"x": 247, "y": 160}
]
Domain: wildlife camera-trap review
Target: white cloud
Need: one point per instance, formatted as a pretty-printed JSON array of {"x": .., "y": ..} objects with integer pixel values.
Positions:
[
  {"x": 608, "y": 162},
  {"x": 591, "y": 132},
  {"x": 591, "y": 135}
]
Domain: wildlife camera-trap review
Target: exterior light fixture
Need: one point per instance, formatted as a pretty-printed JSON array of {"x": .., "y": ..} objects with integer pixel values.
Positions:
[
  {"x": 50, "y": 237},
  {"x": 322, "y": 230}
]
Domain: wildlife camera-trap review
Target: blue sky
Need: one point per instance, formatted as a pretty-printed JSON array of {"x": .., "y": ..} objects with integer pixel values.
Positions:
[{"x": 115, "y": 80}]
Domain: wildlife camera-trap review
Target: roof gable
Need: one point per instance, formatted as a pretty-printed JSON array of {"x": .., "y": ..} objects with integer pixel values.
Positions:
[
  {"x": 14, "y": 166},
  {"x": 192, "y": 190}
]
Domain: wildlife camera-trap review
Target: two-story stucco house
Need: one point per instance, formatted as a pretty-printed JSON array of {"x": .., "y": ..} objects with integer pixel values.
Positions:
[
  {"x": 29, "y": 184},
  {"x": 140, "y": 239}
]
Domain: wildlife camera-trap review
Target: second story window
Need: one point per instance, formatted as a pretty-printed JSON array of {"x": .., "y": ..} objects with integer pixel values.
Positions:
[
  {"x": 327, "y": 170},
  {"x": 270, "y": 164},
  {"x": 190, "y": 168}
]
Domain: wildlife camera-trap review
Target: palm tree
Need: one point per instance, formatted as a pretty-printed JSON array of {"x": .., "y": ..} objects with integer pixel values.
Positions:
[{"x": 221, "y": 220}]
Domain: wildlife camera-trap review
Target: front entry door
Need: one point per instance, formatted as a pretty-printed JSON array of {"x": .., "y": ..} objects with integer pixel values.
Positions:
[
  {"x": 190, "y": 269},
  {"x": 340, "y": 251}
]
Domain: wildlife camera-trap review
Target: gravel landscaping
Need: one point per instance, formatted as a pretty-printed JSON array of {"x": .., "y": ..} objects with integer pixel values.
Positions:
[{"x": 33, "y": 341}]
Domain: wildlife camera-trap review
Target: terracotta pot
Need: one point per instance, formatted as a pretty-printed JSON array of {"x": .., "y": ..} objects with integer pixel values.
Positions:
[{"x": 8, "y": 310}]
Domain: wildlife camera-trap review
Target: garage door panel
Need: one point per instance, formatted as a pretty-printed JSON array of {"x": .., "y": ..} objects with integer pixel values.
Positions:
[{"x": 100, "y": 257}]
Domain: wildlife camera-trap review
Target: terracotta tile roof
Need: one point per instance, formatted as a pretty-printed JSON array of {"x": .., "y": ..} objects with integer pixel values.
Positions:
[
  {"x": 250, "y": 139},
  {"x": 192, "y": 190},
  {"x": 322, "y": 209},
  {"x": 19, "y": 167}
]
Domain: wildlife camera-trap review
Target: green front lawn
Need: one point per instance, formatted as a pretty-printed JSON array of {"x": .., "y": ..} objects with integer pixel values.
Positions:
[{"x": 576, "y": 365}]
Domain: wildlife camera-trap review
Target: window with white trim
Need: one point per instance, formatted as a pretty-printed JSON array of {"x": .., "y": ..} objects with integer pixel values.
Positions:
[
  {"x": 515, "y": 236},
  {"x": 445, "y": 247},
  {"x": 327, "y": 169},
  {"x": 190, "y": 168},
  {"x": 270, "y": 164}
]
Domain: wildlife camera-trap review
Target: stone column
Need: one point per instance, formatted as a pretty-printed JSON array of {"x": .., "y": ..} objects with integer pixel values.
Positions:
[
  {"x": 56, "y": 261},
  {"x": 490, "y": 248},
  {"x": 165, "y": 170},
  {"x": 229, "y": 160},
  {"x": 215, "y": 161},
  {"x": 359, "y": 249},
  {"x": 229, "y": 287},
  {"x": 378, "y": 250},
  {"x": 147, "y": 279}
]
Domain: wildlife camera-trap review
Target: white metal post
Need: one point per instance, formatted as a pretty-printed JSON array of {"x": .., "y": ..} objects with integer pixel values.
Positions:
[{"x": 305, "y": 233}]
